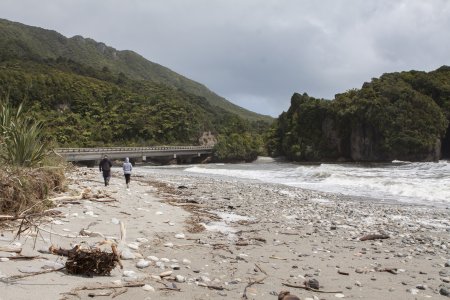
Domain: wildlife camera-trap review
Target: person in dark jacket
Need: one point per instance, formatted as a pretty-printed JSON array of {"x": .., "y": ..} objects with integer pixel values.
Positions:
[{"x": 105, "y": 167}]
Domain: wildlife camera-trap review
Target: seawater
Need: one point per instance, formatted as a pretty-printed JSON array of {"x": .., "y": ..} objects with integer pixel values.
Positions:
[{"x": 421, "y": 183}]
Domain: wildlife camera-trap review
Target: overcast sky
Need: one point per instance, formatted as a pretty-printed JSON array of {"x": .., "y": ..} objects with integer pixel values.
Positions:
[{"x": 257, "y": 53}]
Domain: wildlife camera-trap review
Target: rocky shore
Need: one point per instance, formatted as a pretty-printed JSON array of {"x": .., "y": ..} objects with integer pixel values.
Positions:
[{"x": 214, "y": 238}]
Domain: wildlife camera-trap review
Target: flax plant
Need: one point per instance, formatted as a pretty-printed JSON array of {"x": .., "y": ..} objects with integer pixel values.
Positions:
[{"x": 21, "y": 141}]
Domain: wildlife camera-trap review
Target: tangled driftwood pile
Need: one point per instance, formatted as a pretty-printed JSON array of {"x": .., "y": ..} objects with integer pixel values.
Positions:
[{"x": 90, "y": 261}]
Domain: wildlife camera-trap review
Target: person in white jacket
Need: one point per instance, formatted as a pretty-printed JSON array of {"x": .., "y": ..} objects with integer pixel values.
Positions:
[{"x": 127, "y": 167}]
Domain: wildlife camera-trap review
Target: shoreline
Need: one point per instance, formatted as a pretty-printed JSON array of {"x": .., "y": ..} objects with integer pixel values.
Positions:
[
  {"x": 439, "y": 205},
  {"x": 268, "y": 235}
]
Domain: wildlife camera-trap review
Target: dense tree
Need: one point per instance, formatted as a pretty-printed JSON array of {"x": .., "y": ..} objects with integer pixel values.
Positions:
[{"x": 397, "y": 116}]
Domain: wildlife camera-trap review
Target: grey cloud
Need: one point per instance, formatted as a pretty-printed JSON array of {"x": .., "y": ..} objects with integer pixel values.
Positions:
[{"x": 258, "y": 53}]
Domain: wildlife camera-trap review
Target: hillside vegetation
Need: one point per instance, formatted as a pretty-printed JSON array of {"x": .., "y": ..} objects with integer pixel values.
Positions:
[
  {"x": 87, "y": 94},
  {"x": 33, "y": 43},
  {"x": 401, "y": 116}
]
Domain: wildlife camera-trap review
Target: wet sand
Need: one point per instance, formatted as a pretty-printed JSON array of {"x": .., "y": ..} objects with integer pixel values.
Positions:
[{"x": 214, "y": 238}]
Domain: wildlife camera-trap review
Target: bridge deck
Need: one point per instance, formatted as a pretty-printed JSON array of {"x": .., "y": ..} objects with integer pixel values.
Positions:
[{"x": 84, "y": 154}]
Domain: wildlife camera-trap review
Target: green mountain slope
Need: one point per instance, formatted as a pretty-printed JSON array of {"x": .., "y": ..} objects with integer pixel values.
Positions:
[
  {"x": 28, "y": 42},
  {"x": 89, "y": 107}
]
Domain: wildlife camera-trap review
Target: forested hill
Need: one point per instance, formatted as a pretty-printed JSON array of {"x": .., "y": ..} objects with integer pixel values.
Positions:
[
  {"x": 87, "y": 94},
  {"x": 27, "y": 42},
  {"x": 399, "y": 116}
]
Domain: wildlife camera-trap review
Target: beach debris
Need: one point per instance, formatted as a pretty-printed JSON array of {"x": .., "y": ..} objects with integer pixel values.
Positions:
[
  {"x": 339, "y": 295},
  {"x": 90, "y": 261},
  {"x": 123, "y": 232},
  {"x": 16, "y": 248},
  {"x": 85, "y": 194},
  {"x": 371, "y": 237},
  {"x": 252, "y": 282},
  {"x": 277, "y": 257},
  {"x": 29, "y": 274},
  {"x": 389, "y": 270},
  {"x": 343, "y": 272},
  {"x": 113, "y": 287},
  {"x": 172, "y": 286},
  {"x": 286, "y": 295},
  {"x": 310, "y": 285},
  {"x": 29, "y": 269},
  {"x": 85, "y": 232}
]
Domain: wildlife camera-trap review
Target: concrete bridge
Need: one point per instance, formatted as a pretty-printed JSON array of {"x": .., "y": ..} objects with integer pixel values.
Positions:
[{"x": 159, "y": 153}]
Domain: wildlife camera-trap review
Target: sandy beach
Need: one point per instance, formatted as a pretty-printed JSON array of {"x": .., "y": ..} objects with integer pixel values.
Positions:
[{"x": 197, "y": 237}]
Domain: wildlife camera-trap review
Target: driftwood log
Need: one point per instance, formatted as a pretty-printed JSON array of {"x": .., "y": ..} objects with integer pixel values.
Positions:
[{"x": 371, "y": 237}]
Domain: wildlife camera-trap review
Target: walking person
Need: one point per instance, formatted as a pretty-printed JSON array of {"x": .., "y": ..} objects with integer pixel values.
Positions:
[
  {"x": 127, "y": 167},
  {"x": 105, "y": 167}
]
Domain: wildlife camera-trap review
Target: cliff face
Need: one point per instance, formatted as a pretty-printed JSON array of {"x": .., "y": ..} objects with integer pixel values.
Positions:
[{"x": 400, "y": 116}]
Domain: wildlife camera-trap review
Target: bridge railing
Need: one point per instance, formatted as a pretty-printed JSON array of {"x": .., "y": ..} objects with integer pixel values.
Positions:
[{"x": 127, "y": 149}]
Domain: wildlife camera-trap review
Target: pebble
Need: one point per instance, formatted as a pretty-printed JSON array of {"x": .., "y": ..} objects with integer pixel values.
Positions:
[
  {"x": 156, "y": 277},
  {"x": 186, "y": 261},
  {"x": 154, "y": 258},
  {"x": 169, "y": 245},
  {"x": 180, "y": 278},
  {"x": 142, "y": 240},
  {"x": 115, "y": 221},
  {"x": 165, "y": 274},
  {"x": 421, "y": 287},
  {"x": 127, "y": 255},
  {"x": 444, "y": 291},
  {"x": 413, "y": 291},
  {"x": 129, "y": 274},
  {"x": 180, "y": 236},
  {"x": 166, "y": 260},
  {"x": 148, "y": 288},
  {"x": 90, "y": 213},
  {"x": 4, "y": 259},
  {"x": 133, "y": 246},
  {"x": 142, "y": 264},
  {"x": 339, "y": 295}
]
